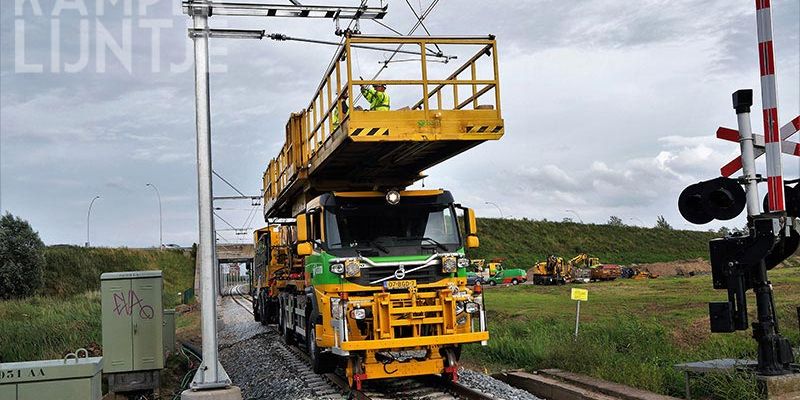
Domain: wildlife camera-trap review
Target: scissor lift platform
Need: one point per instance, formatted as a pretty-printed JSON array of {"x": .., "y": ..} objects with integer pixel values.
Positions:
[{"x": 374, "y": 150}]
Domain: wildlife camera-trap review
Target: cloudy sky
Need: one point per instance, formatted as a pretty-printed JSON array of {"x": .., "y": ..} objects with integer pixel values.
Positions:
[{"x": 610, "y": 108}]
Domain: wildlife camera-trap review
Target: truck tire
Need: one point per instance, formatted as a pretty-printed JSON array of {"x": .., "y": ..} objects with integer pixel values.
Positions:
[
  {"x": 321, "y": 363},
  {"x": 514, "y": 281},
  {"x": 286, "y": 332},
  {"x": 492, "y": 283},
  {"x": 257, "y": 309},
  {"x": 263, "y": 310}
]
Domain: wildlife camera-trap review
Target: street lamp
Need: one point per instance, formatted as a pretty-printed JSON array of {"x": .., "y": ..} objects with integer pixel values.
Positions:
[
  {"x": 89, "y": 214},
  {"x": 160, "y": 219},
  {"x": 576, "y": 214},
  {"x": 498, "y": 208}
]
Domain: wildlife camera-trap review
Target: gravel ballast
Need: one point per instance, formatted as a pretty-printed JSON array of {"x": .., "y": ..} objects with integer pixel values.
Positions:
[{"x": 259, "y": 363}]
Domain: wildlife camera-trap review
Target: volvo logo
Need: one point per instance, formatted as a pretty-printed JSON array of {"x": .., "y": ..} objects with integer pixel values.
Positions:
[{"x": 400, "y": 273}]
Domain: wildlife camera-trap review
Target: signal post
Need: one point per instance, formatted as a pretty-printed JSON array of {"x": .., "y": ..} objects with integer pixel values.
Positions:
[{"x": 741, "y": 262}]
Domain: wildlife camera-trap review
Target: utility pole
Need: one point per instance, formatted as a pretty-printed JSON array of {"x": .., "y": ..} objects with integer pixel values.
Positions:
[
  {"x": 211, "y": 375},
  {"x": 496, "y": 206},
  {"x": 160, "y": 218},
  {"x": 88, "y": 215}
]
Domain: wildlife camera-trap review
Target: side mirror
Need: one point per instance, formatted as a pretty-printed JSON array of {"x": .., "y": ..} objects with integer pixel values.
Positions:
[
  {"x": 472, "y": 242},
  {"x": 304, "y": 249},
  {"x": 302, "y": 228},
  {"x": 470, "y": 224}
]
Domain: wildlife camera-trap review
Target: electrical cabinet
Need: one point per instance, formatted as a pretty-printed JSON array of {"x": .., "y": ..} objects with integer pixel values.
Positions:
[
  {"x": 132, "y": 316},
  {"x": 169, "y": 332},
  {"x": 67, "y": 379}
]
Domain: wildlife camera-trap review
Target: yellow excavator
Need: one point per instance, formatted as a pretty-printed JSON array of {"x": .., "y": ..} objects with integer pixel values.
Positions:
[
  {"x": 580, "y": 266},
  {"x": 585, "y": 269},
  {"x": 553, "y": 271}
]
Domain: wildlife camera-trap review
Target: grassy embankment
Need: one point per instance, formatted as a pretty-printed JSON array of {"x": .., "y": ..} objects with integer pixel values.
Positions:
[
  {"x": 66, "y": 313},
  {"x": 631, "y": 332},
  {"x": 525, "y": 242}
]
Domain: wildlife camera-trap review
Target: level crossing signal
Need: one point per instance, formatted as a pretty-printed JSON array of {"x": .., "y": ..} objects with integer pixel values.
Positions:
[{"x": 722, "y": 198}]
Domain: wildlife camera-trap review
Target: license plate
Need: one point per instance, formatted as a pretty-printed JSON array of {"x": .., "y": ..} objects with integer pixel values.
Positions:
[{"x": 399, "y": 284}]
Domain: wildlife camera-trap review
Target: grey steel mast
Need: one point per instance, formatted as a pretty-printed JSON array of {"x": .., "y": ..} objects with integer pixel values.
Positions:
[{"x": 211, "y": 375}]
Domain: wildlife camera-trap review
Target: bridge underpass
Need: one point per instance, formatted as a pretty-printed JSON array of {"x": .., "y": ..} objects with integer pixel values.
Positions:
[{"x": 234, "y": 263}]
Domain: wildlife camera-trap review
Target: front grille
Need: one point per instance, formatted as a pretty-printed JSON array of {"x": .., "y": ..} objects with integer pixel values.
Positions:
[{"x": 428, "y": 274}]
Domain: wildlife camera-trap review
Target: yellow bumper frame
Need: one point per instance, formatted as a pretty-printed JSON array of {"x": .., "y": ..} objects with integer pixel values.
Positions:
[{"x": 382, "y": 344}]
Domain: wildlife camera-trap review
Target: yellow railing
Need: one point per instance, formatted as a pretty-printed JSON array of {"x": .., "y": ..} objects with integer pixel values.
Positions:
[{"x": 307, "y": 131}]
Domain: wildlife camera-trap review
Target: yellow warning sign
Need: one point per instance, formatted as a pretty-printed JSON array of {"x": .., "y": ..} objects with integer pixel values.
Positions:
[{"x": 580, "y": 294}]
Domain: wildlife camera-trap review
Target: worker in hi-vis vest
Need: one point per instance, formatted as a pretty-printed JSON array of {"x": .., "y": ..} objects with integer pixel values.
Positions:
[
  {"x": 345, "y": 110},
  {"x": 377, "y": 97}
]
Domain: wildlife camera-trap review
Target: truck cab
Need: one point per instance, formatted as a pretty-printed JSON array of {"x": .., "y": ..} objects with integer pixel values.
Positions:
[{"x": 385, "y": 284}]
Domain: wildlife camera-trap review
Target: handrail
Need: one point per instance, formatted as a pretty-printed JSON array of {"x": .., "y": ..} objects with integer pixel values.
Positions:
[
  {"x": 417, "y": 38},
  {"x": 486, "y": 50},
  {"x": 474, "y": 97}
]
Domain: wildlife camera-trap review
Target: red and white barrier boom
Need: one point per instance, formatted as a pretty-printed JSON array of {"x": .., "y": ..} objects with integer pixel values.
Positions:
[{"x": 769, "y": 102}]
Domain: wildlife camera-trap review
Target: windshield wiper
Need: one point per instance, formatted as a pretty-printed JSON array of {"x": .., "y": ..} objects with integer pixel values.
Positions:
[
  {"x": 434, "y": 242},
  {"x": 380, "y": 247},
  {"x": 355, "y": 246}
]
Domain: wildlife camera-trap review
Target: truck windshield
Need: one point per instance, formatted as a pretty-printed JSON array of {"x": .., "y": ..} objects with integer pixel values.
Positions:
[{"x": 385, "y": 229}]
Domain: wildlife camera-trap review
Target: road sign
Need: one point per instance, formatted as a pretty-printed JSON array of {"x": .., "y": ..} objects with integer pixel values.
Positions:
[{"x": 580, "y": 294}]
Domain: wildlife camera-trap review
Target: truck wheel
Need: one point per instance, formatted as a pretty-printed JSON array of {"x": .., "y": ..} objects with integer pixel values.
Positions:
[
  {"x": 492, "y": 283},
  {"x": 263, "y": 310},
  {"x": 451, "y": 365},
  {"x": 321, "y": 362},
  {"x": 288, "y": 333},
  {"x": 256, "y": 310},
  {"x": 514, "y": 281}
]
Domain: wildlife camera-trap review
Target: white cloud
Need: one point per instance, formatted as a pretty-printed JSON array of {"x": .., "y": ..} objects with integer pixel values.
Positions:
[{"x": 610, "y": 109}]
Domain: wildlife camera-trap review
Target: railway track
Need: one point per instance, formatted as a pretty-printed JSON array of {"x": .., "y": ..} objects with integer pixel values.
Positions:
[
  {"x": 335, "y": 385},
  {"x": 235, "y": 292}
]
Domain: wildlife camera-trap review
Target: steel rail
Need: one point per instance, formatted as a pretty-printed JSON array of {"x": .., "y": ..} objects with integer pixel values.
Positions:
[{"x": 239, "y": 293}]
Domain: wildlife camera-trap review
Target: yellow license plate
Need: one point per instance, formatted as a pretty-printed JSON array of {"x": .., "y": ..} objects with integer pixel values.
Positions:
[{"x": 399, "y": 284}]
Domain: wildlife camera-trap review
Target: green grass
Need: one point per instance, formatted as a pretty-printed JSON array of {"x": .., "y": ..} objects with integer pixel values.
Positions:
[
  {"x": 525, "y": 242},
  {"x": 66, "y": 315},
  {"x": 46, "y": 327},
  {"x": 631, "y": 332},
  {"x": 71, "y": 270}
]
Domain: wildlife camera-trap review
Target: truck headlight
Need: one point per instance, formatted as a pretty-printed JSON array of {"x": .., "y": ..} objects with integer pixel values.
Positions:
[
  {"x": 449, "y": 264},
  {"x": 463, "y": 262},
  {"x": 352, "y": 268},
  {"x": 393, "y": 197},
  {"x": 358, "y": 313},
  {"x": 337, "y": 268},
  {"x": 472, "y": 307}
]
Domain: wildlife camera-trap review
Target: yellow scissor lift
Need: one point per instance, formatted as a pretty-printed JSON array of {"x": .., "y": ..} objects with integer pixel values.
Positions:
[{"x": 374, "y": 150}]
